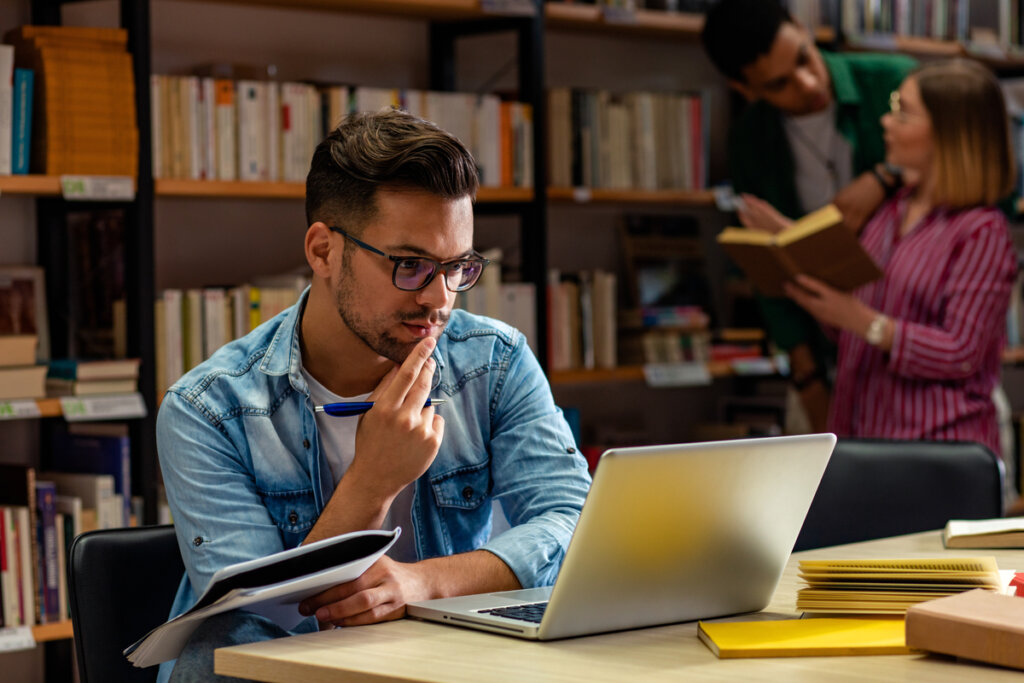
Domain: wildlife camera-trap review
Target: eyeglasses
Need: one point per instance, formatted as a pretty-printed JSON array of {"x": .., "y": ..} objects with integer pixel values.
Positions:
[
  {"x": 413, "y": 273},
  {"x": 896, "y": 108}
]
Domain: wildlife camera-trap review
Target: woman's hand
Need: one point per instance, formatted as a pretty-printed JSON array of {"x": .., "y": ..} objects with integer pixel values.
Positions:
[
  {"x": 757, "y": 214},
  {"x": 830, "y": 306}
]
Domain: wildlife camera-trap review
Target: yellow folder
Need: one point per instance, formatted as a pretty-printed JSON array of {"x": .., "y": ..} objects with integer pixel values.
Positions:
[{"x": 805, "y": 637}]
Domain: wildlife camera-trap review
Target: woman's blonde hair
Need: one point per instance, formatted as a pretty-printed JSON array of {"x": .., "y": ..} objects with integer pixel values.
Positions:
[{"x": 973, "y": 158}]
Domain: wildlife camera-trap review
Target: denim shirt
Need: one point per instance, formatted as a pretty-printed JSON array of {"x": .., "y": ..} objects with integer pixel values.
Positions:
[{"x": 245, "y": 475}]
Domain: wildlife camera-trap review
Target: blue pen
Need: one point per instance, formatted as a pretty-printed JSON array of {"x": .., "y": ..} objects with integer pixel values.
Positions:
[{"x": 360, "y": 407}]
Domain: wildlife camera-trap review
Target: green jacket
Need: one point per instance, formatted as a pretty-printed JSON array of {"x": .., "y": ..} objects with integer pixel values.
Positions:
[{"x": 761, "y": 162}]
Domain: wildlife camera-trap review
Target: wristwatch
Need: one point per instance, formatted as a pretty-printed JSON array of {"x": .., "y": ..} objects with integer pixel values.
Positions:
[
  {"x": 876, "y": 330},
  {"x": 894, "y": 180}
]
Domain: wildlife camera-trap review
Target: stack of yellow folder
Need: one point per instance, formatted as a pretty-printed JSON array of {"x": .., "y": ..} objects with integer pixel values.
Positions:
[{"x": 889, "y": 586}]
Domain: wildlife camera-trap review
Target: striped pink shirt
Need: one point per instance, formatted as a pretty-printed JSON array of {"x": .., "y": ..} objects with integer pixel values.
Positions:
[{"x": 946, "y": 285}]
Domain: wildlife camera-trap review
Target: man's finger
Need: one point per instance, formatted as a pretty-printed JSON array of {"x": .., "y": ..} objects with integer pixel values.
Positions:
[{"x": 407, "y": 374}]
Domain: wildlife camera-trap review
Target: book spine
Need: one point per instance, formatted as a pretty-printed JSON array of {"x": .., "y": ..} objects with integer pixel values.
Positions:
[
  {"x": 21, "y": 142},
  {"x": 49, "y": 573},
  {"x": 6, "y": 109}
]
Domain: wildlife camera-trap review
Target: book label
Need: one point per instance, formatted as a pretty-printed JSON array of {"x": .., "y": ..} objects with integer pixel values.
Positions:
[
  {"x": 17, "y": 410},
  {"x": 16, "y": 638},
  {"x": 97, "y": 187},
  {"x": 116, "y": 407},
  {"x": 676, "y": 374}
]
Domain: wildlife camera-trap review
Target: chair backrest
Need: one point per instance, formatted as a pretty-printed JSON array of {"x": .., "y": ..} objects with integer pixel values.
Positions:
[
  {"x": 875, "y": 488},
  {"x": 121, "y": 583}
]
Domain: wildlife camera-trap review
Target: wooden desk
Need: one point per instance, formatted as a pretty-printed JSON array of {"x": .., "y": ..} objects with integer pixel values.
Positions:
[{"x": 411, "y": 650}]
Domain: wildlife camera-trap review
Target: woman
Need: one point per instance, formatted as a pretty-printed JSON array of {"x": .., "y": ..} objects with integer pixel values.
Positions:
[{"x": 919, "y": 349}]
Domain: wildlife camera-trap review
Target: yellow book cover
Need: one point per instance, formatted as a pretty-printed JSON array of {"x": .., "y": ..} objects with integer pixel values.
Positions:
[
  {"x": 804, "y": 637},
  {"x": 818, "y": 245}
]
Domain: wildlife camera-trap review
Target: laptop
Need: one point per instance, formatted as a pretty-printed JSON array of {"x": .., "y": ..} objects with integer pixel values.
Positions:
[{"x": 667, "y": 534}]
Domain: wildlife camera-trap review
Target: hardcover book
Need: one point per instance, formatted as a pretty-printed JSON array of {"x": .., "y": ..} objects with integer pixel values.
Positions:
[
  {"x": 984, "y": 533},
  {"x": 817, "y": 245},
  {"x": 804, "y": 637}
]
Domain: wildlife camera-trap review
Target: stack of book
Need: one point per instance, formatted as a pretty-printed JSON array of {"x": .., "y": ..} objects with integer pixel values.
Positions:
[
  {"x": 889, "y": 586},
  {"x": 71, "y": 377},
  {"x": 21, "y": 296},
  {"x": 84, "y": 121}
]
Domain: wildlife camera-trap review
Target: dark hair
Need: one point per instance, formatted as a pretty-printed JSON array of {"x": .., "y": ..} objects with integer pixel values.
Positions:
[
  {"x": 737, "y": 32},
  {"x": 389, "y": 148}
]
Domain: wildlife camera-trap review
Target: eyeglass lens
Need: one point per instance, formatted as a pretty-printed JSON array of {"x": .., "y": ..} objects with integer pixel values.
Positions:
[{"x": 412, "y": 274}]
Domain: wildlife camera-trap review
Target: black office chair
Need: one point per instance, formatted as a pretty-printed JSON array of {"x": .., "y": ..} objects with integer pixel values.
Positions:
[
  {"x": 875, "y": 488},
  {"x": 121, "y": 583}
]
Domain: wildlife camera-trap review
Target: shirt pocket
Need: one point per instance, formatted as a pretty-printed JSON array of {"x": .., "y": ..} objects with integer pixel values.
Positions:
[
  {"x": 294, "y": 513},
  {"x": 466, "y": 488}
]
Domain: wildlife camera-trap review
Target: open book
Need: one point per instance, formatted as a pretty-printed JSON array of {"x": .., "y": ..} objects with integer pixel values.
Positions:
[
  {"x": 817, "y": 245},
  {"x": 271, "y": 586}
]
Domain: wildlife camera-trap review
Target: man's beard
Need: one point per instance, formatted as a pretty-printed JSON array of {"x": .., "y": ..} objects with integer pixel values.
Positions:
[{"x": 372, "y": 332}]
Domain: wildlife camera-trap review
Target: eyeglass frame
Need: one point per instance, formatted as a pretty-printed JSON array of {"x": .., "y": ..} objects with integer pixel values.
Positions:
[
  {"x": 439, "y": 266},
  {"x": 896, "y": 108}
]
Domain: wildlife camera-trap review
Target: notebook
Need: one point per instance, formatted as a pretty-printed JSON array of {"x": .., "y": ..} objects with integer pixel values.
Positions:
[{"x": 667, "y": 534}]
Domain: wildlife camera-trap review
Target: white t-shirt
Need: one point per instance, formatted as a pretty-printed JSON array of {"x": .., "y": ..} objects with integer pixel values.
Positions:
[
  {"x": 338, "y": 442},
  {"x": 816, "y": 144}
]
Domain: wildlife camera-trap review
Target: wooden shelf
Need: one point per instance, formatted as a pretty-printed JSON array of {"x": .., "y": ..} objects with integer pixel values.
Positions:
[
  {"x": 241, "y": 189},
  {"x": 584, "y": 195},
  {"x": 993, "y": 56},
  {"x": 415, "y": 9},
  {"x": 37, "y": 185},
  {"x": 625, "y": 373},
  {"x": 60, "y": 630},
  {"x": 1013, "y": 356}
]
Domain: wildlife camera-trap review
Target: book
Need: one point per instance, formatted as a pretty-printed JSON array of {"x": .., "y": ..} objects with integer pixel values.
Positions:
[
  {"x": 18, "y": 489},
  {"x": 92, "y": 387},
  {"x": 817, "y": 245},
  {"x": 984, "y": 533},
  {"x": 804, "y": 637},
  {"x": 978, "y": 625},
  {"x": 23, "y": 306},
  {"x": 890, "y": 586},
  {"x": 101, "y": 508},
  {"x": 271, "y": 586},
  {"x": 49, "y": 572},
  {"x": 18, "y": 349},
  {"x": 21, "y": 121},
  {"x": 6, "y": 107},
  {"x": 96, "y": 448},
  {"x": 24, "y": 381},
  {"x": 75, "y": 369}
]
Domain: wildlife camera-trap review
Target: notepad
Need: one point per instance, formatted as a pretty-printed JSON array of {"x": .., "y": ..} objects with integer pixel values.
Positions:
[
  {"x": 889, "y": 586},
  {"x": 984, "y": 533},
  {"x": 805, "y": 637}
]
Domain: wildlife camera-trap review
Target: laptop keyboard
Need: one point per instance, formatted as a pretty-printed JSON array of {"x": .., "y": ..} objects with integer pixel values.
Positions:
[{"x": 531, "y": 612}]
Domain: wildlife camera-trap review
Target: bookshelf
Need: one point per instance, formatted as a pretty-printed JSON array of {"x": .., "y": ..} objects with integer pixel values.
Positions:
[{"x": 241, "y": 189}]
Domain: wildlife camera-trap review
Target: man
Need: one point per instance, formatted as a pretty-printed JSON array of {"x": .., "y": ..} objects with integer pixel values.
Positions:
[
  {"x": 811, "y": 135},
  {"x": 251, "y": 469}
]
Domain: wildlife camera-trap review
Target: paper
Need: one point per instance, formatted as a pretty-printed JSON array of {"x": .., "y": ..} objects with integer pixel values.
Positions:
[
  {"x": 804, "y": 637},
  {"x": 984, "y": 533},
  {"x": 271, "y": 586}
]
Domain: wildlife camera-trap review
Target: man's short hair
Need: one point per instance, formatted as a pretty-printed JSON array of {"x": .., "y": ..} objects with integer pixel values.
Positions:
[
  {"x": 737, "y": 32},
  {"x": 386, "y": 149}
]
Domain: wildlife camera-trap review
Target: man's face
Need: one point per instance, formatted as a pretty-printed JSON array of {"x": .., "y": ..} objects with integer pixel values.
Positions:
[
  {"x": 388, "y": 320},
  {"x": 792, "y": 77}
]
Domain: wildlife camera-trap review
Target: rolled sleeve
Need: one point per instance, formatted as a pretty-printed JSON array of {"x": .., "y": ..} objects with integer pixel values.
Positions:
[{"x": 539, "y": 475}]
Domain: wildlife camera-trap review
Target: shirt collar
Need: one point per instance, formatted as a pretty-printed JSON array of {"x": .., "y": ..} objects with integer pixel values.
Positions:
[{"x": 284, "y": 355}]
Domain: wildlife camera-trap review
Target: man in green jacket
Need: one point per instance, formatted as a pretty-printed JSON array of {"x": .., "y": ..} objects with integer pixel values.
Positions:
[{"x": 811, "y": 135}]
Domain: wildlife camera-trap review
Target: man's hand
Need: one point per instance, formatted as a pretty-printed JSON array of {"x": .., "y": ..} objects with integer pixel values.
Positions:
[
  {"x": 383, "y": 591},
  {"x": 398, "y": 438},
  {"x": 380, "y": 594},
  {"x": 757, "y": 214},
  {"x": 396, "y": 441},
  {"x": 830, "y": 306},
  {"x": 858, "y": 200}
]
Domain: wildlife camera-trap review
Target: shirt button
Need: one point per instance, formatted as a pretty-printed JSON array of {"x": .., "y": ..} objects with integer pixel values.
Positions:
[
  {"x": 293, "y": 517},
  {"x": 467, "y": 492},
  {"x": 965, "y": 366},
  {"x": 570, "y": 450},
  {"x": 197, "y": 541},
  {"x": 305, "y": 443}
]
